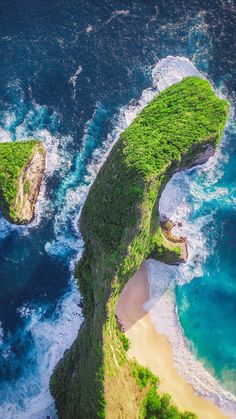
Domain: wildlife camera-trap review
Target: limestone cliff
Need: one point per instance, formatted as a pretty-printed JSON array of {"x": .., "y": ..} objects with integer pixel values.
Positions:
[
  {"x": 121, "y": 228},
  {"x": 22, "y": 166}
]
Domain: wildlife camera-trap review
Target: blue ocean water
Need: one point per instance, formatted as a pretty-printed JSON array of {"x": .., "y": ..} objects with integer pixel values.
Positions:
[
  {"x": 207, "y": 304},
  {"x": 67, "y": 69}
]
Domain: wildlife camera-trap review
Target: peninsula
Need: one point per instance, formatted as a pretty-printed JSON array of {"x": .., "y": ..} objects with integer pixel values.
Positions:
[
  {"x": 121, "y": 229},
  {"x": 22, "y": 165}
]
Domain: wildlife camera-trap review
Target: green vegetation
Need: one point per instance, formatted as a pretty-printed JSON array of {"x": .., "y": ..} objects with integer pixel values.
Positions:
[
  {"x": 120, "y": 227},
  {"x": 14, "y": 156},
  {"x": 160, "y": 407},
  {"x": 26, "y": 187},
  {"x": 125, "y": 342},
  {"x": 143, "y": 375},
  {"x": 154, "y": 405},
  {"x": 164, "y": 250}
]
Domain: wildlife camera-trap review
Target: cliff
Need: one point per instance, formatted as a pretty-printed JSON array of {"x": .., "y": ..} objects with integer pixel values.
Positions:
[
  {"x": 22, "y": 167},
  {"x": 121, "y": 228}
]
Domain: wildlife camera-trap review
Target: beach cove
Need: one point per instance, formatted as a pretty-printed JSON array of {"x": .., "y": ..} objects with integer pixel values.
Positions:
[
  {"x": 154, "y": 351},
  {"x": 121, "y": 223},
  {"x": 74, "y": 76}
]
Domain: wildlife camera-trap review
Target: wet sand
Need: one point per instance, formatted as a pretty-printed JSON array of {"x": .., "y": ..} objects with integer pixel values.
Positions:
[{"x": 154, "y": 350}]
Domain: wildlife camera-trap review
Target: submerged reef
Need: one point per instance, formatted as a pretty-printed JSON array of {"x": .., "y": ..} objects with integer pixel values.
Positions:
[
  {"x": 22, "y": 166},
  {"x": 121, "y": 228}
]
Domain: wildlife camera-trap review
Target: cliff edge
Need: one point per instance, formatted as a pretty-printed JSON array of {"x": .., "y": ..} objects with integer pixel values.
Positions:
[
  {"x": 121, "y": 228},
  {"x": 22, "y": 166}
]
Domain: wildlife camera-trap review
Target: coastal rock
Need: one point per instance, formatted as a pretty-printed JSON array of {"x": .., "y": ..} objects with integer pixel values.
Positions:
[
  {"x": 29, "y": 186},
  {"x": 22, "y": 166},
  {"x": 121, "y": 228},
  {"x": 204, "y": 155},
  {"x": 166, "y": 228}
]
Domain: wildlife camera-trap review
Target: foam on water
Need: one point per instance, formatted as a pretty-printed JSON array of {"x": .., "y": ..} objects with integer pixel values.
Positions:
[
  {"x": 31, "y": 125},
  {"x": 55, "y": 159},
  {"x": 182, "y": 196},
  {"x": 1, "y": 333},
  {"x": 74, "y": 189},
  {"x": 172, "y": 70},
  {"x": 51, "y": 337},
  {"x": 162, "y": 309},
  {"x": 73, "y": 79}
]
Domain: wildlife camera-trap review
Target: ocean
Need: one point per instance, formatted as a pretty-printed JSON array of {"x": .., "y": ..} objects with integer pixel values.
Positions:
[{"x": 72, "y": 74}]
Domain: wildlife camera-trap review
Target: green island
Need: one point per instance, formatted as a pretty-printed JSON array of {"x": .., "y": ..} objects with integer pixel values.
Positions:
[
  {"x": 22, "y": 165},
  {"x": 121, "y": 228}
]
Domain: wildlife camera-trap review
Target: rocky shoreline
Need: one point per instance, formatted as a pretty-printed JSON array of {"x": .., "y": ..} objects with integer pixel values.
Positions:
[
  {"x": 121, "y": 228},
  {"x": 29, "y": 185},
  {"x": 22, "y": 166}
]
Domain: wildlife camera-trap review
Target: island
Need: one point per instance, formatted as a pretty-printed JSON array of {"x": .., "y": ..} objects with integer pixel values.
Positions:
[
  {"x": 121, "y": 228},
  {"x": 22, "y": 165}
]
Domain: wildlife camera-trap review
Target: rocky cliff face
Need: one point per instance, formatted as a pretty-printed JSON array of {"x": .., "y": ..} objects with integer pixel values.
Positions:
[
  {"x": 22, "y": 165},
  {"x": 121, "y": 228},
  {"x": 29, "y": 183}
]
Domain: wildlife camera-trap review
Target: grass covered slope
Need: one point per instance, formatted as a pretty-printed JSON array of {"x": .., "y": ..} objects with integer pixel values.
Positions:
[
  {"x": 15, "y": 159},
  {"x": 121, "y": 228}
]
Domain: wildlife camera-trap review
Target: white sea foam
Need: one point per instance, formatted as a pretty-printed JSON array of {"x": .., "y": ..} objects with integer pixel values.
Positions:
[
  {"x": 89, "y": 28},
  {"x": 116, "y": 13},
  {"x": 171, "y": 70},
  {"x": 4, "y": 136},
  {"x": 165, "y": 73},
  {"x": 163, "y": 314},
  {"x": 73, "y": 196},
  {"x": 73, "y": 192},
  {"x": 182, "y": 195},
  {"x": 51, "y": 338},
  {"x": 56, "y": 336},
  {"x": 57, "y": 159},
  {"x": 56, "y": 154},
  {"x": 1, "y": 334},
  {"x": 73, "y": 78}
]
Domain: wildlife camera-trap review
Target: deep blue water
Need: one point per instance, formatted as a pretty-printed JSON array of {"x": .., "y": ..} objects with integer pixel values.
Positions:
[{"x": 67, "y": 67}]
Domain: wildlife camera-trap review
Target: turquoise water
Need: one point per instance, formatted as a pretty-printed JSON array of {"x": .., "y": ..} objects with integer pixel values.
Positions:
[
  {"x": 67, "y": 70},
  {"x": 207, "y": 304}
]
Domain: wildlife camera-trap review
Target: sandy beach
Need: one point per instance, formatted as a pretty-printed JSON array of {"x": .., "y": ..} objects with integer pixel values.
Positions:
[{"x": 154, "y": 350}]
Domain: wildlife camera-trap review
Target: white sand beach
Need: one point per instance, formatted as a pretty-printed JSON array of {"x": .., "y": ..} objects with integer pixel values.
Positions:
[{"x": 154, "y": 350}]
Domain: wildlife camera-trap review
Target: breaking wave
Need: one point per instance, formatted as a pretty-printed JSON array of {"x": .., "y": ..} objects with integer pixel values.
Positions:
[
  {"x": 183, "y": 196},
  {"x": 51, "y": 336}
]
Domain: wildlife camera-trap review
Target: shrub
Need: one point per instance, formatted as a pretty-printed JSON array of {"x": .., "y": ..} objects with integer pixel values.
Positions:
[
  {"x": 26, "y": 187},
  {"x": 119, "y": 221},
  {"x": 153, "y": 403},
  {"x": 143, "y": 376},
  {"x": 13, "y": 158},
  {"x": 124, "y": 341}
]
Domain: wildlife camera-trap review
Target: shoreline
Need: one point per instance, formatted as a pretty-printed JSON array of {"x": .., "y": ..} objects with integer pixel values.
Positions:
[{"x": 154, "y": 351}]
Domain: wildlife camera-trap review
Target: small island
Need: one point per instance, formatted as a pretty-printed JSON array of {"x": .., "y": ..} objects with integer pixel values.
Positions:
[
  {"x": 22, "y": 166},
  {"x": 121, "y": 228}
]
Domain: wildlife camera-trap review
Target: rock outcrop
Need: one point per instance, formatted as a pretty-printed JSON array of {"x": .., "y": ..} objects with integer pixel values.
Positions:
[
  {"x": 29, "y": 186},
  {"x": 121, "y": 228},
  {"x": 22, "y": 166}
]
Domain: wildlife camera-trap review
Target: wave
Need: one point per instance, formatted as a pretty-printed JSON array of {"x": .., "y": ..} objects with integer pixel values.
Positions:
[
  {"x": 28, "y": 396},
  {"x": 51, "y": 337},
  {"x": 162, "y": 310},
  {"x": 72, "y": 193},
  {"x": 56, "y": 158},
  {"x": 181, "y": 198},
  {"x": 23, "y": 122}
]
